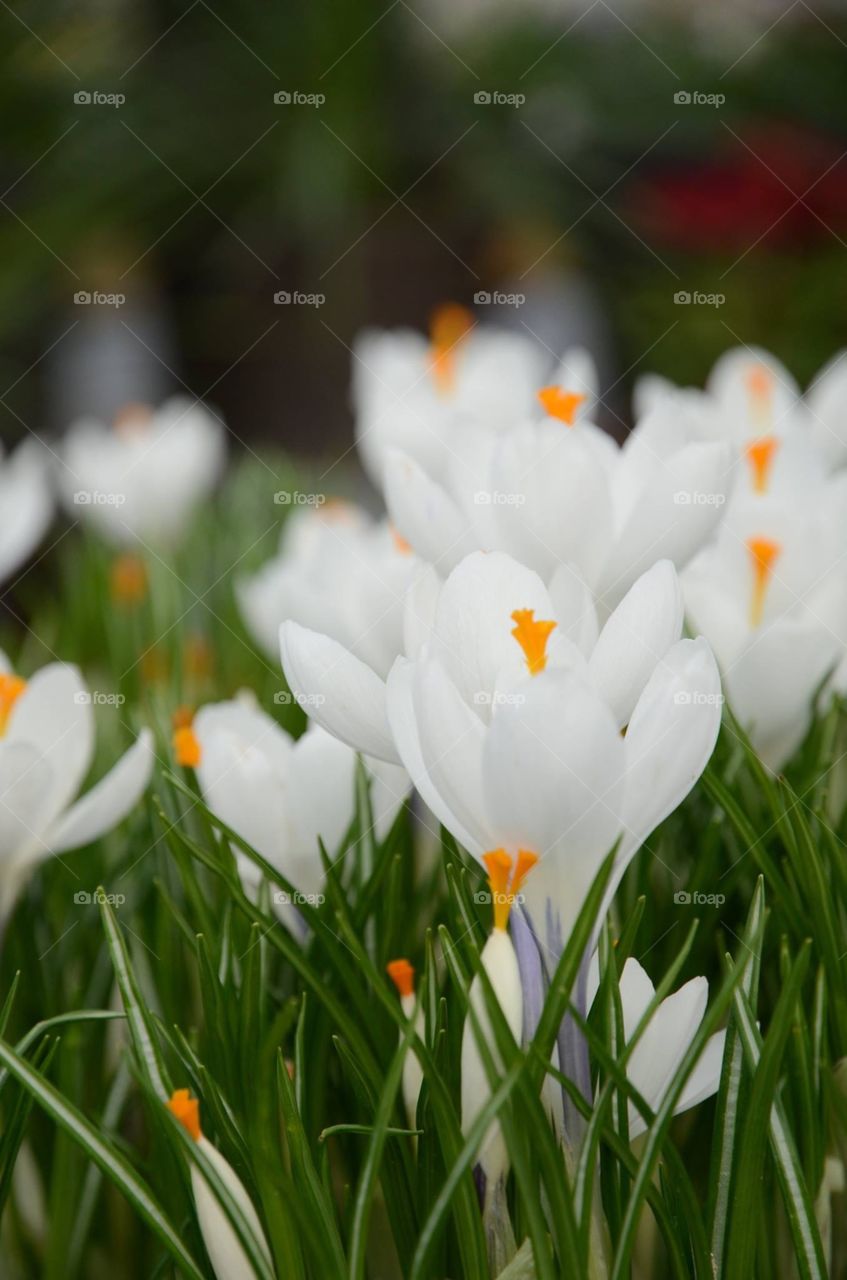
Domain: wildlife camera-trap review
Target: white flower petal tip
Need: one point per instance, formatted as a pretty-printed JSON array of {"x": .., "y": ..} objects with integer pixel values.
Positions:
[
  {"x": 339, "y": 691},
  {"x": 109, "y": 801}
]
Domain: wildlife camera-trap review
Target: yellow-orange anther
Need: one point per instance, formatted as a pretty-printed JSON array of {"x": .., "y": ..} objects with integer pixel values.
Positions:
[
  {"x": 187, "y": 748},
  {"x": 561, "y": 404},
  {"x": 132, "y": 418},
  {"x": 760, "y": 382},
  {"x": 11, "y": 688},
  {"x": 760, "y": 455},
  {"x": 449, "y": 326},
  {"x": 402, "y": 974},
  {"x": 400, "y": 543},
  {"x": 763, "y": 555},
  {"x": 532, "y": 637},
  {"x": 187, "y": 1111},
  {"x": 505, "y": 884},
  {"x": 128, "y": 580}
]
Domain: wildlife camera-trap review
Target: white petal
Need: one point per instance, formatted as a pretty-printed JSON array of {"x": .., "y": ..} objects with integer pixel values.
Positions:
[
  {"x": 337, "y": 690},
  {"x": 671, "y": 735},
  {"x": 322, "y": 795},
  {"x": 109, "y": 801},
  {"x": 573, "y": 606},
  {"x": 636, "y": 637},
  {"x": 424, "y": 514},
  {"x": 226, "y": 1254},
  {"x": 54, "y": 714}
]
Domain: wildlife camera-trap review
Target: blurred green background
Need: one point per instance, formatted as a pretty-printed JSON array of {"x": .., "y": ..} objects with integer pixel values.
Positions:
[{"x": 600, "y": 196}]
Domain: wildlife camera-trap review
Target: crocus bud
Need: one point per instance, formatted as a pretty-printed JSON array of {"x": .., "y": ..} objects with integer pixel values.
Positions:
[
  {"x": 402, "y": 974},
  {"x": 226, "y": 1254}
]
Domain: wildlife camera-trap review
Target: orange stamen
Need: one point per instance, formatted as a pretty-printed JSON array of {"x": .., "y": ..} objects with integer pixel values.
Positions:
[
  {"x": 526, "y": 860},
  {"x": 402, "y": 974},
  {"x": 132, "y": 419},
  {"x": 760, "y": 382},
  {"x": 400, "y": 543},
  {"x": 11, "y": 688},
  {"x": 449, "y": 326},
  {"x": 760, "y": 455},
  {"x": 532, "y": 637},
  {"x": 764, "y": 553},
  {"x": 128, "y": 580},
  {"x": 182, "y": 718},
  {"x": 187, "y": 1111},
  {"x": 187, "y": 748},
  {"x": 561, "y": 404}
]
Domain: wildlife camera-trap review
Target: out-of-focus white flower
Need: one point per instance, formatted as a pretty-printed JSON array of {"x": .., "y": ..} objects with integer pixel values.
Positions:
[
  {"x": 417, "y": 394},
  {"x": 280, "y": 795},
  {"x": 402, "y": 974},
  {"x": 500, "y": 964},
  {"x": 509, "y": 722},
  {"x": 26, "y": 506},
  {"x": 226, "y": 1253},
  {"x": 770, "y": 594},
  {"x": 46, "y": 749},
  {"x": 338, "y": 572},
  {"x": 558, "y": 490},
  {"x": 143, "y": 478},
  {"x": 664, "y": 1041}
]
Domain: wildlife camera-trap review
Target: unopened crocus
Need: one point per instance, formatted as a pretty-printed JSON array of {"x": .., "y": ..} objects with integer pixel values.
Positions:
[
  {"x": 142, "y": 479},
  {"x": 229, "y": 1259},
  {"x": 402, "y": 974},
  {"x": 46, "y": 750},
  {"x": 664, "y": 1042}
]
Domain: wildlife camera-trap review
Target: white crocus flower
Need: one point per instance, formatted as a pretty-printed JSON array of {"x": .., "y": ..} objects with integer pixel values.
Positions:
[
  {"x": 226, "y": 1253},
  {"x": 500, "y": 964},
  {"x": 143, "y": 478},
  {"x": 26, "y": 506},
  {"x": 402, "y": 974},
  {"x": 664, "y": 1041},
  {"x": 46, "y": 749},
  {"x": 558, "y": 490},
  {"x": 417, "y": 394},
  {"x": 771, "y": 596}
]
